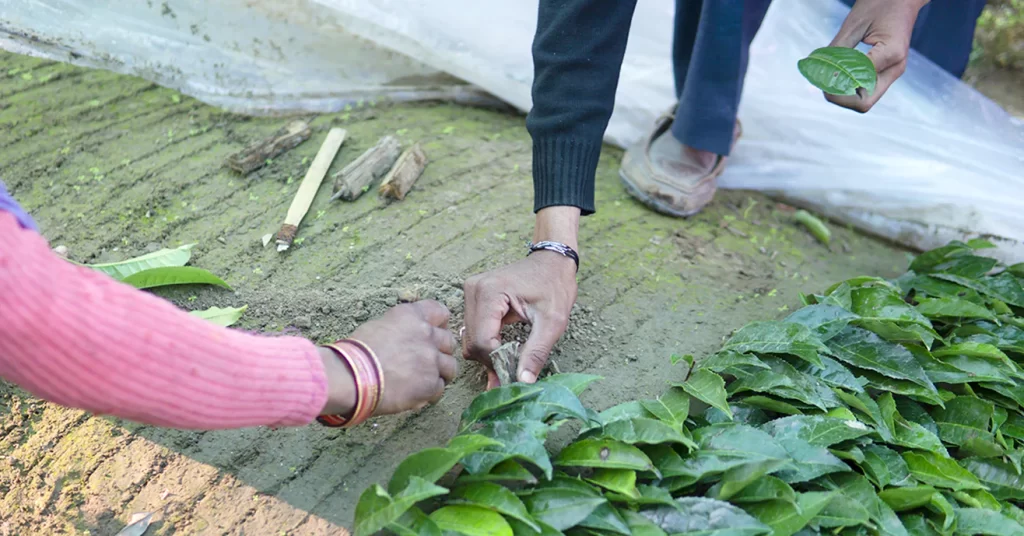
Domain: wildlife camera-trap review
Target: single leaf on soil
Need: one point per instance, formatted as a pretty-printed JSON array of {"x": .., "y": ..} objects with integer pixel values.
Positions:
[
  {"x": 940, "y": 471},
  {"x": 497, "y": 498},
  {"x": 839, "y": 71},
  {"x": 777, "y": 338},
  {"x": 705, "y": 517},
  {"x": 376, "y": 509},
  {"x": 709, "y": 388},
  {"x": 604, "y": 453},
  {"x": 561, "y": 508},
  {"x": 575, "y": 382},
  {"x": 786, "y": 518},
  {"x": 158, "y": 259},
  {"x": 865, "y": 350},
  {"x": 978, "y": 521},
  {"x": 173, "y": 275},
  {"x": 825, "y": 321},
  {"x": 763, "y": 489},
  {"x": 1001, "y": 478},
  {"x": 222, "y": 316},
  {"x": 817, "y": 430},
  {"x": 494, "y": 400},
  {"x": 907, "y": 498},
  {"x": 470, "y": 521},
  {"x": 621, "y": 481},
  {"x": 640, "y": 431},
  {"x": 952, "y": 307}
]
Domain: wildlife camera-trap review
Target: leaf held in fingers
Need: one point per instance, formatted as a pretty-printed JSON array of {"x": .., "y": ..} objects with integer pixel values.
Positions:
[
  {"x": 709, "y": 388},
  {"x": 173, "y": 275},
  {"x": 222, "y": 316},
  {"x": 158, "y": 259},
  {"x": 839, "y": 70},
  {"x": 497, "y": 498},
  {"x": 470, "y": 521}
]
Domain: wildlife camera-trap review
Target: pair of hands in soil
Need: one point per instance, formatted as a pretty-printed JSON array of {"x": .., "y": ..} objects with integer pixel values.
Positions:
[{"x": 413, "y": 341}]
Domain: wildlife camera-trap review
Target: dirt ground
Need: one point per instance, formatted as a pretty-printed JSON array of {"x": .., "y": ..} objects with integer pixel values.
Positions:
[{"x": 113, "y": 166}]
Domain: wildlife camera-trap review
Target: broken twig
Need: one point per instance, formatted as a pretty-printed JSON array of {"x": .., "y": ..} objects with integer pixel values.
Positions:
[
  {"x": 355, "y": 179},
  {"x": 404, "y": 173},
  {"x": 256, "y": 155},
  {"x": 505, "y": 361},
  {"x": 308, "y": 188}
]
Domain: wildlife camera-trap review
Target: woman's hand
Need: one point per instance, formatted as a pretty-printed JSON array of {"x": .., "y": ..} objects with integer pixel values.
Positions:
[{"x": 415, "y": 350}]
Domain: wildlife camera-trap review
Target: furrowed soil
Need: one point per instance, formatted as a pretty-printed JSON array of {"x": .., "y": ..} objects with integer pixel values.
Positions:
[{"x": 113, "y": 166}]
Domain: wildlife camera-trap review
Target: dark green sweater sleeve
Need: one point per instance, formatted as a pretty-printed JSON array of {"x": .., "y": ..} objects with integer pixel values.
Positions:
[{"x": 577, "y": 54}]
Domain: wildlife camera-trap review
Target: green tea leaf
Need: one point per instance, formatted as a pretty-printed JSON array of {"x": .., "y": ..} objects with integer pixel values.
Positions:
[
  {"x": 777, "y": 338},
  {"x": 414, "y": 523},
  {"x": 561, "y": 508},
  {"x": 643, "y": 432},
  {"x": 554, "y": 401},
  {"x": 575, "y": 382},
  {"x": 173, "y": 275},
  {"x": 907, "y": 498},
  {"x": 625, "y": 411},
  {"x": 863, "y": 403},
  {"x": 885, "y": 467},
  {"x": 901, "y": 387},
  {"x": 738, "y": 478},
  {"x": 428, "y": 465},
  {"x": 964, "y": 418},
  {"x": 1001, "y": 478},
  {"x": 763, "y": 489},
  {"x": 857, "y": 488},
  {"x": 817, "y": 430},
  {"x": 158, "y": 259},
  {"x": 978, "y": 498},
  {"x": 492, "y": 401},
  {"x": 785, "y": 381},
  {"x": 705, "y": 517},
  {"x": 707, "y": 387},
  {"x": 641, "y": 526},
  {"x": 497, "y": 498},
  {"x": 883, "y": 311},
  {"x": 666, "y": 460},
  {"x": 842, "y": 511},
  {"x": 832, "y": 373},
  {"x": 839, "y": 71},
  {"x": 376, "y": 509},
  {"x": 673, "y": 407},
  {"x": 770, "y": 404},
  {"x": 940, "y": 471},
  {"x": 927, "y": 261},
  {"x": 809, "y": 462},
  {"x": 621, "y": 481},
  {"x": 506, "y": 471},
  {"x": 905, "y": 433},
  {"x": 970, "y": 266},
  {"x": 519, "y": 529},
  {"x": 975, "y": 349},
  {"x": 722, "y": 362},
  {"x": 606, "y": 519},
  {"x": 604, "y": 453},
  {"x": 470, "y": 521},
  {"x": 1003, "y": 287},
  {"x": 975, "y": 521},
  {"x": 787, "y": 519},
  {"x": 952, "y": 307},
  {"x": 222, "y": 316},
  {"x": 866, "y": 350},
  {"x": 521, "y": 440},
  {"x": 825, "y": 321}
]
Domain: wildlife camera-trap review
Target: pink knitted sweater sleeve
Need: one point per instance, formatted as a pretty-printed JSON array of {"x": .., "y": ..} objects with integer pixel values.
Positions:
[{"x": 76, "y": 337}]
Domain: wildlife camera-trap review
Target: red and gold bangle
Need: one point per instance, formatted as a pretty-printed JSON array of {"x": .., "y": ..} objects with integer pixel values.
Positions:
[{"x": 369, "y": 379}]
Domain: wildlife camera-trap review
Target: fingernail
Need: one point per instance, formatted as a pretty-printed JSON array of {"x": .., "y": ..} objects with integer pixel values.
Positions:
[{"x": 527, "y": 377}]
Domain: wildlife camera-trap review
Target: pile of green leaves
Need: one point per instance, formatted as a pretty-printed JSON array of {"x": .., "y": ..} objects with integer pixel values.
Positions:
[
  {"x": 166, "y": 267},
  {"x": 880, "y": 407}
]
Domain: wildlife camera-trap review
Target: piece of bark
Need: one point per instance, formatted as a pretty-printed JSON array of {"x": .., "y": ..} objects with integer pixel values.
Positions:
[
  {"x": 309, "y": 186},
  {"x": 404, "y": 173},
  {"x": 352, "y": 181},
  {"x": 255, "y": 156},
  {"x": 505, "y": 361}
]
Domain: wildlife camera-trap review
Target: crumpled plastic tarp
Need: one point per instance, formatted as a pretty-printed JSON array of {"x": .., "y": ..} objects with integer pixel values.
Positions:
[{"x": 933, "y": 161}]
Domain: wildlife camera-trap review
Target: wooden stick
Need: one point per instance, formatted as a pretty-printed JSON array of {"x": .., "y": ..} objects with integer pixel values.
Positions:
[
  {"x": 255, "y": 156},
  {"x": 308, "y": 188},
  {"x": 355, "y": 179},
  {"x": 404, "y": 173}
]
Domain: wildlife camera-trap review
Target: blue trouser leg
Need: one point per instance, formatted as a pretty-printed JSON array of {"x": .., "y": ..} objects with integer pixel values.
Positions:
[
  {"x": 710, "y": 53},
  {"x": 944, "y": 32}
]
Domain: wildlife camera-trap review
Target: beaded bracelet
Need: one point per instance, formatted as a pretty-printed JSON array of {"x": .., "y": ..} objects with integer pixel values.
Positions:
[{"x": 369, "y": 378}]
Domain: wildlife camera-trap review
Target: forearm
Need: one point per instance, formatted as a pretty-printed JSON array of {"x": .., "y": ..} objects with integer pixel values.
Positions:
[
  {"x": 577, "y": 53},
  {"x": 76, "y": 337}
]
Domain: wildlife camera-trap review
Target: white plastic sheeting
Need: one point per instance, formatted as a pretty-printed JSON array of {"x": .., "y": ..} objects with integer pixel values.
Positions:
[{"x": 933, "y": 161}]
